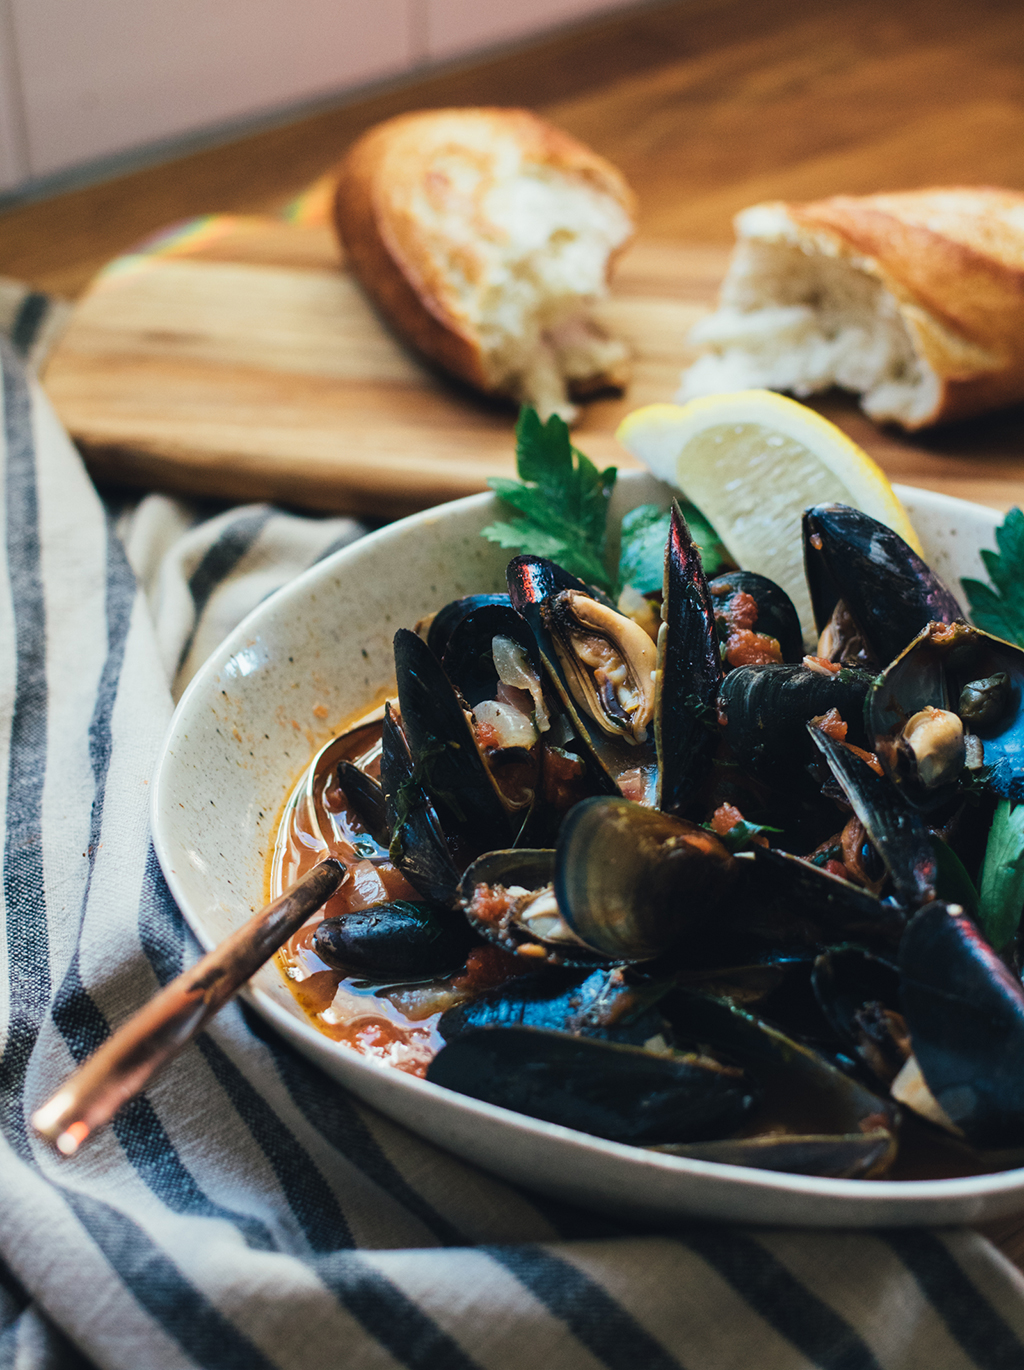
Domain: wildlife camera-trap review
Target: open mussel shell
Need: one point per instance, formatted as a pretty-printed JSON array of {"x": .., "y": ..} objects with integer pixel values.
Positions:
[
  {"x": 764, "y": 712},
  {"x": 602, "y": 1003},
  {"x": 396, "y": 941},
  {"x": 689, "y": 673},
  {"x": 887, "y": 589},
  {"x": 619, "y": 1092},
  {"x": 817, "y": 1117},
  {"x": 620, "y": 763},
  {"x": 897, "y": 831},
  {"x": 944, "y": 668},
  {"x": 448, "y": 761},
  {"x": 632, "y": 883},
  {"x": 468, "y": 659},
  {"x": 748, "y": 607},
  {"x": 508, "y": 897},
  {"x": 964, "y": 1009},
  {"x": 447, "y": 619}
]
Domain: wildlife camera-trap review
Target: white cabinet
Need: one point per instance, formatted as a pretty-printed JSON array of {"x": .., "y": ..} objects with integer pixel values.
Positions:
[{"x": 82, "y": 80}]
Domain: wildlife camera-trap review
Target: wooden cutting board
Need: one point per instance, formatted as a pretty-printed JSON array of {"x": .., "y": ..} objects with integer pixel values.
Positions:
[{"x": 237, "y": 357}]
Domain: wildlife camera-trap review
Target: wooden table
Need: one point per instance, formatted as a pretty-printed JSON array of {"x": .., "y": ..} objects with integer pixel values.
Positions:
[{"x": 707, "y": 106}]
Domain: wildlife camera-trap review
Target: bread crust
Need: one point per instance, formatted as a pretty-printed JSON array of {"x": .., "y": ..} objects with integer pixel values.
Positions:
[
  {"x": 953, "y": 258},
  {"x": 383, "y": 184}
]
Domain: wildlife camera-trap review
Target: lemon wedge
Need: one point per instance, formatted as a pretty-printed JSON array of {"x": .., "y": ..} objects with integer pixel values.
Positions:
[{"x": 752, "y": 462}]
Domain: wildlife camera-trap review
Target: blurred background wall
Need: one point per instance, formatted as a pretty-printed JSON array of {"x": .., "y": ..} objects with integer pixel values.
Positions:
[{"x": 82, "y": 81}]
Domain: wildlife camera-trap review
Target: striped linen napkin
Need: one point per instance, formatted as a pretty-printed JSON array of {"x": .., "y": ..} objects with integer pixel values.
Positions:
[{"x": 247, "y": 1213}]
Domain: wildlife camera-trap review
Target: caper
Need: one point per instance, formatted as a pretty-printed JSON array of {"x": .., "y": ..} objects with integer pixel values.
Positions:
[{"x": 984, "y": 703}]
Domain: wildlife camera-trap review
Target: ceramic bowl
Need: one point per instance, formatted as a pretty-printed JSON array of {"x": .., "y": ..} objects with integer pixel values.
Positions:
[{"x": 319, "y": 652}]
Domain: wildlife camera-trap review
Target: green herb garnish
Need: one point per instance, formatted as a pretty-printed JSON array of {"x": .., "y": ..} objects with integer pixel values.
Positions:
[
  {"x": 562, "y": 499},
  {"x": 999, "y": 608},
  {"x": 740, "y": 836},
  {"x": 644, "y": 535},
  {"x": 953, "y": 885},
  {"x": 1002, "y": 876}
]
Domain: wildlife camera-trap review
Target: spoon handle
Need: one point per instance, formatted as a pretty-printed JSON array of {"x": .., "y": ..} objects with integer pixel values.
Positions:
[{"x": 128, "y": 1060}]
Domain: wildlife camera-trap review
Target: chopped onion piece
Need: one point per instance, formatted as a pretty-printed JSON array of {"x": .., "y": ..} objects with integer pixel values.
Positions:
[
  {"x": 513, "y": 728},
  {"x": 513, "y": 667}
]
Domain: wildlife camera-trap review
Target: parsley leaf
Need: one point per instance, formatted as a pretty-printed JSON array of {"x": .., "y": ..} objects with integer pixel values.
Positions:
[
  {"x": 642, "y": 558},
  {"x": 1002, "y": 876},
  {"x": 999, "y": 608},
  {"x": 563, "y": 500},
  {"x": 644, "y": 535}
]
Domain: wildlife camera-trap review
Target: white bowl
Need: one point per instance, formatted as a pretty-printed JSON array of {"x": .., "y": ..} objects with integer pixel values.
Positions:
[{"x": 317, "y": 653}]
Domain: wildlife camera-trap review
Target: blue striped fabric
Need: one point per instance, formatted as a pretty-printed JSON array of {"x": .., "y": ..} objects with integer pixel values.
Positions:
[{"x": 247, "y": 1214}]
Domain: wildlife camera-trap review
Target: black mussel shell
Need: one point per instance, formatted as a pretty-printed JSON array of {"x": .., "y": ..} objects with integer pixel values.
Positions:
[
  {"x": 764, "y": 609},
  {"x": 396, "y": 941},
  {"x": 619, "y": 1092},
  {"x": 632, "y": 882},
  {"x": 689, "y": 674},
  {"x": 859, "y": 995},
  {"x": 507, "y": 897},
  {"x": 617, "y": 765},
  {"x": 857, "y": 1155},
  {"x": 887, "y": 589},
  {"x": 601, "y": 1005},
  {"x": 365, "y": 797},
  {"x": 764, "y": 712},
  {"x": 448, "y": 762},
  {"x": 934, "y": 671},
  {"x": 532, "y": 579},
  {"x": 832, "y": 909},
  {"x": 417, "y": 845},
  {"x": 811, "y": 1110},
  {"x": 446, "y": 620},
  {"x": 897, "y": 831},
  {"x": 964, "y": 1009},
  {"x": 467, "y": 658}
]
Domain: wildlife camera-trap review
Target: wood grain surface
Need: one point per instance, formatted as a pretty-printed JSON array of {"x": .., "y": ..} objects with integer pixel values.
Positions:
[
  {"x": 252, "y": 366},
  {"x": 244, "y": 362},
  {"x": 707, "y": 105}
]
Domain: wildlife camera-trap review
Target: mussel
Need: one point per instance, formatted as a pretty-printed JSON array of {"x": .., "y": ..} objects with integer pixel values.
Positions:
[
  {"x": 509, "y": 898},
  {"x": 619, "y": 1092},
  {"x": 948, "y": 705},
  {"x": 602, "y": 671},
  {"x": 603, "y": 1004},
  {"x": 417, "y": 843},
  {"x": 811, "y": 1116},
  {"x": 884, "y": 592},
  {"x": 757, "y": 623},
  {"x": 764, "y": 712},
  {"x": 396, "y": 941},
  {"x": 633, "y": 883},
  {"x": 688, "y": 677},
  {"x": 964, "y": 1009}
]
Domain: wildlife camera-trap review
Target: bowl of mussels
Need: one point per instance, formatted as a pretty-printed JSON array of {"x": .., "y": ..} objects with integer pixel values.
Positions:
[{"x": 663, "y": 902}]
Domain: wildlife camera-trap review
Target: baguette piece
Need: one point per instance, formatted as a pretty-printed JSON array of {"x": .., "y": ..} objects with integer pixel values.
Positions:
[
  {"x": 484, "y": 236},
  {"x": 913, "y": 300}
]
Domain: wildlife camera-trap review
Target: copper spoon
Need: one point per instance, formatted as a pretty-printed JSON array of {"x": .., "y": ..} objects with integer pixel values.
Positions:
[{"x": 128, "y": 1060}]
